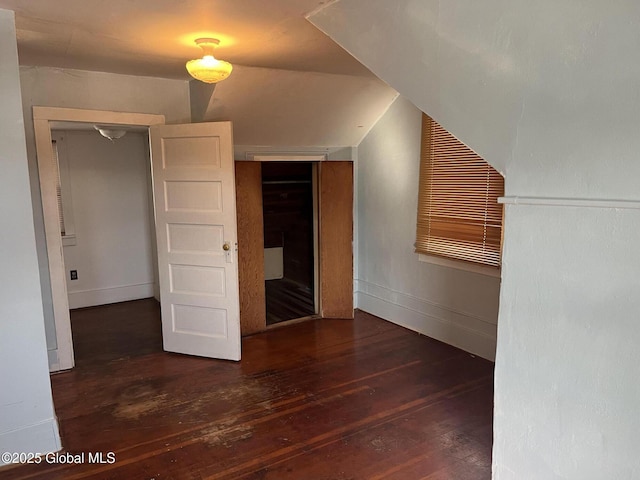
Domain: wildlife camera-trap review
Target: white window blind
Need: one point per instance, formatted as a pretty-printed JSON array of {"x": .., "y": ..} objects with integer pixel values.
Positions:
[
  {"x": 56, "y": 167},
  {"x": 459, "y": 216}
]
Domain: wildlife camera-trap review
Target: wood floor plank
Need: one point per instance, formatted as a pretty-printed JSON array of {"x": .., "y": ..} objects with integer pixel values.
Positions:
[
  {"x": 323, "y": 399},
  {"x": 287, "y": 300}
]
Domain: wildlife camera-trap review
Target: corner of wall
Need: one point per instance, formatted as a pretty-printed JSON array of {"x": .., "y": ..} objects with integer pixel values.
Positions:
[
  {"x": 27, "y": 422},
  {"x": 39, "y": 438},
  {"x": 390, "y": 281},
  {"x": 354, "y": 156},
  {"x": 200, "y": 97}
]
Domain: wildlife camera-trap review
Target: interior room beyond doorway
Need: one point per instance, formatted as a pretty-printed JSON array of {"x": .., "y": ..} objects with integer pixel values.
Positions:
[
  {"x": 290, "y": 245},
  {"x": 106, "y": 214}
]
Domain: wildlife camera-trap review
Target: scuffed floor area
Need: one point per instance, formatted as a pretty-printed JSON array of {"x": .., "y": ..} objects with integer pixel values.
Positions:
[{"x": 323, "y": 399}]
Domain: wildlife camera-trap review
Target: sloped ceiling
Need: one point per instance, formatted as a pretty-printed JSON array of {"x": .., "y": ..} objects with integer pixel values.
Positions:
[
  {"x": 155, "y": 37},
  {"x": 284, "y": 107},
  {"x": 547, "y": 92},
  {"x": 451, "y": 59}
]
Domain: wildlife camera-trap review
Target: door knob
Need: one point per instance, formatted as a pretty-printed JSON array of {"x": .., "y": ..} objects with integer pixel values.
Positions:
[{"x": 226, "y": 247}]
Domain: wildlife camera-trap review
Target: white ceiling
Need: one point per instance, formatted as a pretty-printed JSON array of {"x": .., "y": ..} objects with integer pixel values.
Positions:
[{"x": 155, "y": 37}]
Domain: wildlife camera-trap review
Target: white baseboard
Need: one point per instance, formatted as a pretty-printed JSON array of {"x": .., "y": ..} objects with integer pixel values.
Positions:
[
  {"x": 42, "y": 437},
  {"x": 54, "y": 361},
  {"x": 103, "y": 296},
  {"x": 467, "y": 332}
]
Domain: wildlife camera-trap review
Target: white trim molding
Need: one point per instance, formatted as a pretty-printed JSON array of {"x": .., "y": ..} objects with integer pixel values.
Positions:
[
  {"x": 466, "y": 331},
  {"x": 104, "y": 296},
  {"x": 287, "y": 158},
  {"x": 54, "y": 362},
  {"x": 461, "y": 265},
  {"x": 69, "y": 240},
  {"x": 571, "y": 202},
  {"x": 42, "y": 116},
  {"x": 40, "y": 438},
  {"x": 288, "y": 154}
]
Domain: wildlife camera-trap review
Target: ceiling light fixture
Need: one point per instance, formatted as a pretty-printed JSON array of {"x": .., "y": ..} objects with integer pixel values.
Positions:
[
  {"x": 208, "y": 69},
  {"x": 111, "y": 133}
]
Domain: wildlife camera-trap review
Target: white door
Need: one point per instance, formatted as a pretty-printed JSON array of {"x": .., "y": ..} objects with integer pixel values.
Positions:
[{"x": 195, "y": 207}]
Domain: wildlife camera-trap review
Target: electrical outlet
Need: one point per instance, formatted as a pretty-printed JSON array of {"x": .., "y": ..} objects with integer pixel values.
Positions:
[{"x": 74, "y": 274}]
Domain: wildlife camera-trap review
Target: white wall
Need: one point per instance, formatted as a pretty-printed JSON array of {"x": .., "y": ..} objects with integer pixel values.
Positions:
[
  {"x": 270, "y": 107},
  {"x": 567, "y": 390},
  {"x": 54, "y": 87},
  {"x": 109, "y": 185},
  {"x": 455, "y": 306},
  {"x": 548, "y": 93},
  {"x": 539, "y": 90},
  {"x": 27, "y": 421}
]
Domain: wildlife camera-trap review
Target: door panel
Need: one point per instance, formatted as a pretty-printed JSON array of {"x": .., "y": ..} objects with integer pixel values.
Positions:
[
  {"x": 253, "y": 316},
  {"x": 194, "y": 197},
  {"x": 336, "y": 239}
]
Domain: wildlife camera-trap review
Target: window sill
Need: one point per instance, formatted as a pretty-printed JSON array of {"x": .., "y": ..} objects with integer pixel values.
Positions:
[
  {"x": 460, "y": 265},
  {"x": 68, "y": 240}
]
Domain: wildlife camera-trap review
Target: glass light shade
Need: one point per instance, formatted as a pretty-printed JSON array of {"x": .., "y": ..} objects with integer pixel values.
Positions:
[
  {"x": 208, "y": 69},
  {"x": 112, "y": 133}
]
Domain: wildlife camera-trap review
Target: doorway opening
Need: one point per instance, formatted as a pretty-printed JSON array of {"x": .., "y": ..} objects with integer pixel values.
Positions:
[
  {"x": 198, "y": 280},
  {"x": 289, "y": 199},
  {"x": 57, "y": 322},
  {"x": 105, "y": 208}
]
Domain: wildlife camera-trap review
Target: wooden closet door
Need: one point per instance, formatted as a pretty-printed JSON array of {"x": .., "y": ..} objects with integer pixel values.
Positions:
[
  {"x": 253, "y": 316},
  {"x": 336, "y": 239},
  {"x": 335, "y": 242}
]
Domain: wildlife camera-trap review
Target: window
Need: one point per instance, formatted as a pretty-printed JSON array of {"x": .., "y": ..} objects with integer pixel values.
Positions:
[
  {"x": 63, "y": 190},
  {"x": 56, "y": 166},
  {"x": 459, "y": 216}
]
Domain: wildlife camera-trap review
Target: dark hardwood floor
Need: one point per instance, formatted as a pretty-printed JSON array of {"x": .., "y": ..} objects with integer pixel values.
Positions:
[
  {"x": 318, "y": 400},
  {"x": 287, "y": 300}
]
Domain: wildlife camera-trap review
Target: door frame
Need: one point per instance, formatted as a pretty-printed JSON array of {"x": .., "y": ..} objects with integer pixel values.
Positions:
[
  {"x": 330, "y": 304},
  {"x": 42, "y": 116},
  {"x": 315, "y": 160}
]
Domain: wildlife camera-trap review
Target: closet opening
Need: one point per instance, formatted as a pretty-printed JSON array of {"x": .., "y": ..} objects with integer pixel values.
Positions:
[{"x": 289, "y": 199}]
